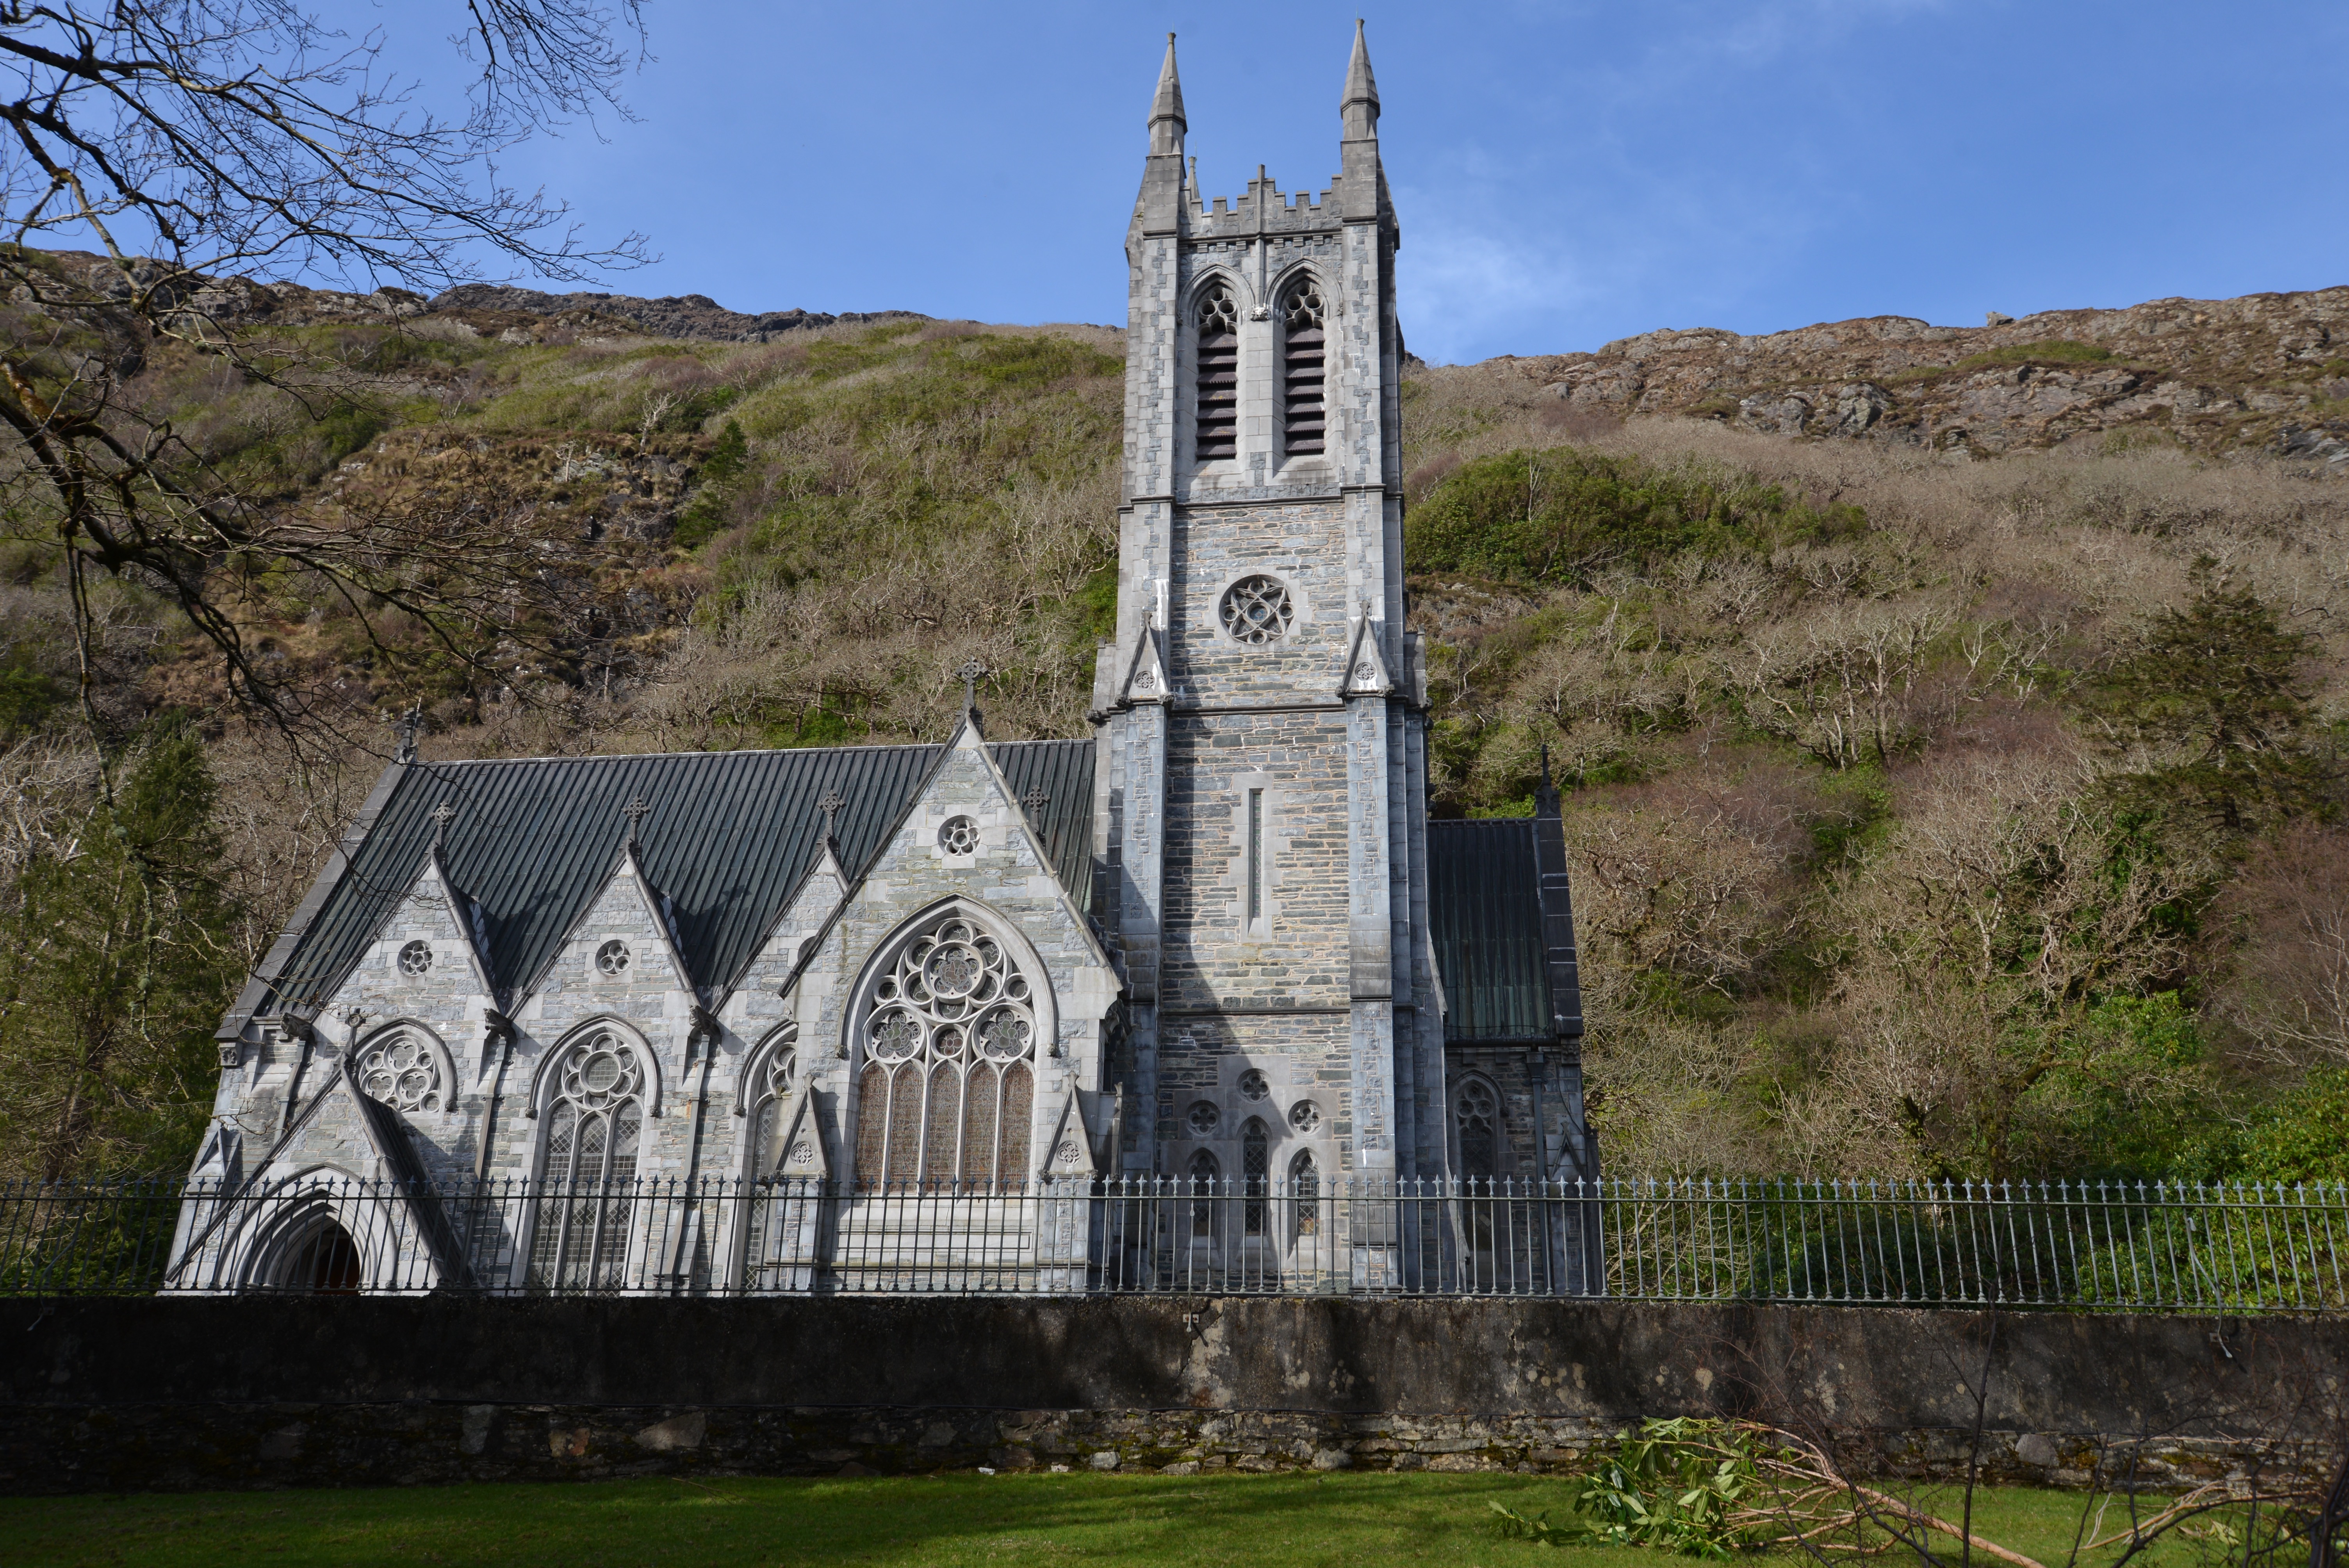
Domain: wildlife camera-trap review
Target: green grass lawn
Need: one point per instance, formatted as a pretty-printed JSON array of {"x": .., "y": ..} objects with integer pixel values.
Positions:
[{"x": 1268, "y": 1521}]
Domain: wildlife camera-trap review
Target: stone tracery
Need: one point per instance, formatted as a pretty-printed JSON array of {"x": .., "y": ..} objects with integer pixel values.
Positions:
[{"x": 946, "y": 1096}]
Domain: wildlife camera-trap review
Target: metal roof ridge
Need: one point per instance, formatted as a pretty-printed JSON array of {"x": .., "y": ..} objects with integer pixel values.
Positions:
[{"x": 738, "y": 751}]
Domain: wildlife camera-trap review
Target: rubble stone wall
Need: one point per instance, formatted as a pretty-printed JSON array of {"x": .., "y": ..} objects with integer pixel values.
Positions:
[{"x": 104, "y": 1394}]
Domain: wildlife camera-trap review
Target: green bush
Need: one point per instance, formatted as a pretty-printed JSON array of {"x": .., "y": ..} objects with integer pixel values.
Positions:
[{"x": 1561, "y": 515}]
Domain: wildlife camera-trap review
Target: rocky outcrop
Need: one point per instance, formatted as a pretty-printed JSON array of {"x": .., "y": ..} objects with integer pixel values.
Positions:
[
  {"x": 674, "y": 316},
  {"x": 2269, "y": 370}
]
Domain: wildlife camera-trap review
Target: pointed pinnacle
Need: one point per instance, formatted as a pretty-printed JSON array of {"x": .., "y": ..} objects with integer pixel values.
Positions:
[
  {"x": 1361, "y": 87},
  {"x": 1167, "y": 122}
]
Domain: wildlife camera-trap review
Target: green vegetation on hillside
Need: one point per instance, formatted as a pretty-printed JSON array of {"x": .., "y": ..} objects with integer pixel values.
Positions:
[{"x": 1934, "y": 817}]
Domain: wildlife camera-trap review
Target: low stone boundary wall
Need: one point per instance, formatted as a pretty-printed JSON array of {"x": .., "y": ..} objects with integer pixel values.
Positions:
[{"x": 163, "y": 1394}]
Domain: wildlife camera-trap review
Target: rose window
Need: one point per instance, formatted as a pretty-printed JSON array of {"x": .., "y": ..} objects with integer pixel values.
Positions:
[
  {"x": 613, "y": 959},
  {"x": 1203, "y": 1119},
  {"x": 402, "y": 1073},
  {"x": 1253, "y": 1085},
  {"x": 947, "y": 1090},
  {"x": 605, "y": 1072},
  {"x": 416, "y": 959},
  {"x": 959, "y": 836},
  {"x": 1305, "y": 1116},
  {"x": 1257, "y": 610}
]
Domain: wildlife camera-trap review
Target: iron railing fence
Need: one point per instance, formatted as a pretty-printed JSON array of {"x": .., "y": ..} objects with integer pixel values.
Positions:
[{"x": 2100, "y": 1246}]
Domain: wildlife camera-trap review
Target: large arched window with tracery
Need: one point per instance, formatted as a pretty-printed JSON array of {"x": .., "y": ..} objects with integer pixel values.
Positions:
[
  {"x": 947, "y": 1092},
  {"x": 593, "y": 1126},
  {"x": 1215, "y": 374},
  {"x": 1303, "y": 362}
]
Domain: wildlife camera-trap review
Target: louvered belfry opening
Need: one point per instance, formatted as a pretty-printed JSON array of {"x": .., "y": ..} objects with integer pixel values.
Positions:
[
  {"x": 1218, "y": 394},
  {"x": 1302, "y": 357}
]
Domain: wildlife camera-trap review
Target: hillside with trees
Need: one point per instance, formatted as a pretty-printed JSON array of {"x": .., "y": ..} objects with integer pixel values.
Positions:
[{"x": 1935, "y": 808}]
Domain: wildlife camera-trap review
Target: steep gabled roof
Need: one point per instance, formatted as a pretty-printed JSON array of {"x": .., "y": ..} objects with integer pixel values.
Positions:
[
  {"x": 730, "y": 836},
  {"x": 1501, "y": 921}
]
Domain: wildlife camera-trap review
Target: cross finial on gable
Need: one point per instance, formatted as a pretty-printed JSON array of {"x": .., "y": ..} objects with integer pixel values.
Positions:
[
  {"x": 635, "y": 812},
  {"x": 830, "y": 806},
  {"x": 972, "y": 672},
  {"x": 1035, "y": 800},
  {"x": 442, "y": 815}
]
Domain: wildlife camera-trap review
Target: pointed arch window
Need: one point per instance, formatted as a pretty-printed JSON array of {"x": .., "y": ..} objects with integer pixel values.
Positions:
[
  {"x": 1215, "y": 369},
  {"x": 1305, "y": 1191},
  {"x": 1303, "y": 366},
  {"x": 1204, "y": 1171},
  {"x": 581, "y": 1239},
  {"x": 1255, "y": 1169},
  {"x": 948, "y": 1093},
  {"x": 1476, "y": 1120},
  {"x": 770, "y": 1093}
]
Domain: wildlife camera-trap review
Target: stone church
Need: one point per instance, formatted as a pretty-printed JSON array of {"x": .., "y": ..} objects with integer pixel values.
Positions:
[{"x": 1217, "y": 948}]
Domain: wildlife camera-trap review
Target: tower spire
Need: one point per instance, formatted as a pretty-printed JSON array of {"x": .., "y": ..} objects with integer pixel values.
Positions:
[
  {"x": 1167, "y": 122},
  {"x": 1359, "y": 105}
]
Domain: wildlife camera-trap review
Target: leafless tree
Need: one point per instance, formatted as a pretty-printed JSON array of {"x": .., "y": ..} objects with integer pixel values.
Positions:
[{"x": 198, "y": 143}]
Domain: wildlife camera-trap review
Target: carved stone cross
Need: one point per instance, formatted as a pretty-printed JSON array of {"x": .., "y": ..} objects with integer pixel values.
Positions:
[
  {"x": 635, "y": 812},
  {"x": 442, "y": 815},
  {"x": 830, "y": 806},
  {"x": 972, "y": 671},
  {"x": 1035, "y": 800}
]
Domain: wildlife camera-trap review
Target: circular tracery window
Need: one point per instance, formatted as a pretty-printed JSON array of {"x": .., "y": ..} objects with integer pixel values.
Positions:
[
  {"x": 1253, "y": 1085},
  {"x": 416, "y": 959},
  {"x": 612, "y": 959},
  {"x": 1204, "y": 1120},
  {"x": 605, "y": 1072},
  {"x": 950, "y": 990},
  {"x": 1305, "y": 1116},
  {"x": 959, "y": 836},
  {"x": 402, "y": 1073},
  {"x": 1257, "y": 610}
]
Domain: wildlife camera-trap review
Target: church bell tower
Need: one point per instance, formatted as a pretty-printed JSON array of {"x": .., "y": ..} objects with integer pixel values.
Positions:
[{"x": 1261, "y": 782}]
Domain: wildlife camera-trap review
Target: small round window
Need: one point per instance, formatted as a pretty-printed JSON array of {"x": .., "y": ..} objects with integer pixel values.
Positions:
[
  {"x": 1305, "y": 1116},
  {"x": 959, "y": 836},
  {"x": 1253, "y": 1085},
  {"x": 416, "y": 959},
  {"x": 1257, "y": 610},
  {"x": 1203, "y": 1119},
  {"x": 613, "y": 958}
]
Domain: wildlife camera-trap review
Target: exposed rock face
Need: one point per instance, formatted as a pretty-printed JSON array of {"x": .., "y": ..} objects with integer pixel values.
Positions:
[
  {"x": 2267, "y": 369},
  {"x": 510, "y": 315},
  {"x": 675, "y": 315}
]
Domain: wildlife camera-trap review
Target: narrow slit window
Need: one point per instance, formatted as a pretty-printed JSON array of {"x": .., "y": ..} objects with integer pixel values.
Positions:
[
  {"x": 1217, "y": 395},
  {"x": 1303, "y": 358},
  {"x": 1256, "y": 856}
]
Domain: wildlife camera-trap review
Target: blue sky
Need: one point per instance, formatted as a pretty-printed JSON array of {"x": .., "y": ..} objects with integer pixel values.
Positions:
[{"x": 1565, "y": 173}]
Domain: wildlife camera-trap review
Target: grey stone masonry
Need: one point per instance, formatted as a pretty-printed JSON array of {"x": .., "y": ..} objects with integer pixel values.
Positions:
[{"x": 1260, "y": 725}]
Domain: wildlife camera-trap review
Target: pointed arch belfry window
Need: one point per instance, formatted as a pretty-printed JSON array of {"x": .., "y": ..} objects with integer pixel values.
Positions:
[
  {"x": 1216, "y": 371},
  {"x": 1303, "y": 366},
  {"x": 581, "y": 1236},
  {"x": 947, "y": 1092}
]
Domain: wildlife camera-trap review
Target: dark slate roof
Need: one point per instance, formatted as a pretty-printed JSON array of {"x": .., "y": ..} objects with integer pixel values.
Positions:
[
  {"x": 730, "y": 836},
  {"x": 1485, "y": 913}
]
